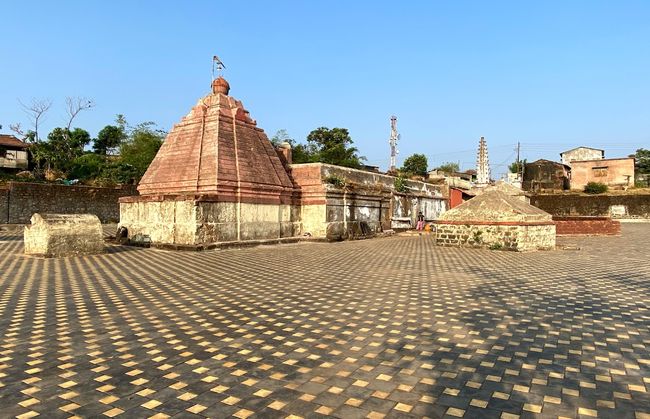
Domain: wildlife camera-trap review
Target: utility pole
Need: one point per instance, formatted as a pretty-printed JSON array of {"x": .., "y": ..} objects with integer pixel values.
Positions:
[
  {"x": 519, "y": 168},
  {"x": 394, "y": 137},
  {"x": 518, "y": 147}
]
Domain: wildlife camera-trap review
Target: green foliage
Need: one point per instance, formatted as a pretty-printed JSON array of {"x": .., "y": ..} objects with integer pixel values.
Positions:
[
  {"x": 63, "y": 146},
  {"x": 88, "y": 166},
  {"x": 109, "y": 139},
  {"x": 595, "y": 188},
  {"x": 497, "y": 246},
  {"x": 119, "y": 172},
  {"x": 416, "y": 164},
  {"x": 642, "y": 157},
  {"x": 449, "y": 167},
  {"x": 477, "y": 238},
  {"x": 141, "y": 147},
  {"x": 336, "y": 180},
  {"x": 300, "y": 154},
  {"x": 400, "y": 184},
  {"x": 516, "y": 167},
  {"x": 64, "y": 152},
  {"x": 333, "y": 146}
]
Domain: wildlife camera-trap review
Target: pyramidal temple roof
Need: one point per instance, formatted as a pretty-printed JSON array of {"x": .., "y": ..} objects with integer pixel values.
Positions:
[
  {"x": 218, "y": 150},
  {"x": 496, "y": 206}
]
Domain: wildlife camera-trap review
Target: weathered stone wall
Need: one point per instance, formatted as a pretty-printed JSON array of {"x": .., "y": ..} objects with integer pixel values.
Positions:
[
  {"x": 4, "y": 205},
  {"x": 193, "y": 222},
  {"x": 355, "y": 215},
  {"x": 591, "y": 226},
  {"x": 55, "y": 235},
  {"x": 617, "y": 206},
  {"x": 497, "y": 236},
  {"x": 26, "y": 199},
  {"x": 366, "y": 204},
  {"x": 171, "y": 221},
  {"x": 229, "y": 221}
]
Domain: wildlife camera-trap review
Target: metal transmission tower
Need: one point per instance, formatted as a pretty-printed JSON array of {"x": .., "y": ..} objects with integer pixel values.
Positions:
[{"x": 394, "y": 137}]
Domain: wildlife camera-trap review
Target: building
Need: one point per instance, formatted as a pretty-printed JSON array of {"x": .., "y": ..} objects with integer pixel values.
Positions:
[
  {"x": 546, "y": 175},
  {"x": 615, "y": 173},
  {"x": 217, "y": 178},
  {"x": 581, "y": 153},
  {"x": 13, "y": 153}
]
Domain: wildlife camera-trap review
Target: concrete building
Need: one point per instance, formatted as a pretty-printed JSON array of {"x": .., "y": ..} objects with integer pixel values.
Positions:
[
  {"x": 581, "y": 153},
  {"x": 13, "y": 153},
  {"x": 615, "y": 173}
]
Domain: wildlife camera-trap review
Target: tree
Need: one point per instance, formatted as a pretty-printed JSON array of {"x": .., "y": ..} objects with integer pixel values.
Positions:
[
  {"x": 415, "y": 164},
  {"x": 109, "y": 139},
  {"x": 141, "y": 147},
  {"x": 88, "y": 166},
  {"x": 35, "y": 110},
  {"x": 63, "y": 146},
  {"x": 282, "y": 136},
  {"x": 642, "y": 157},
  {"x": 517, "y": 166},
  {"x": 449, "y": 167},
  {"x": 333, "y": 146},
  {"x": 301, "y": 154},
  {"x": 74, "y": 106}
]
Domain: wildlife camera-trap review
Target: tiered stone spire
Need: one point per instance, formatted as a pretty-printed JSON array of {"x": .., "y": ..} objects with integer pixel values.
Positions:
[
  {"x": 482, "y": 164},
  {"x": 218, "y": 150}
]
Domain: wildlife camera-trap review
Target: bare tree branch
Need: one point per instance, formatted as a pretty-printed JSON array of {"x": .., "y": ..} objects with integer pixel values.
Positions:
[
  {"x": 74, "y": 105},
  {"x": 36, "y": 110},
  {"x": 17, "y": 128}
]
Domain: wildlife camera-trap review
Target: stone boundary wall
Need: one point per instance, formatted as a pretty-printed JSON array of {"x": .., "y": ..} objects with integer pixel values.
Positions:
[
  {"x": 366, "y": 205},
  {"x": 4, "y": 205},
  {"x": 615, "y": 206},
  {"x": 588, "y": 226},
  {"x": 22, "y": 200}
]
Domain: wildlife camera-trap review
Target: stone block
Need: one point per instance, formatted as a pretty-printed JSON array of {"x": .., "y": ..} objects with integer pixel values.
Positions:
[{"x": 56, "y": 235}]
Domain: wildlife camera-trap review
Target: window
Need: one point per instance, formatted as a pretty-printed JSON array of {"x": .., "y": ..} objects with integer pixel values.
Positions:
[{"x": 599, "y": 171}]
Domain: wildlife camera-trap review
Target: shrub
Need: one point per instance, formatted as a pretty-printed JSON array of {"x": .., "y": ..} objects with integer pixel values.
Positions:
[
  {"x": 338, "y": 181},
  {"x": 400, "y": 184},
  {"x": 595, "y": 188}
]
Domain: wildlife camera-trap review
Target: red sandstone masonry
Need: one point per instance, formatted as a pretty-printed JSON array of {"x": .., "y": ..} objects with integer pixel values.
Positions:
[
  {"x": 591, "y": 226},
  {"x": 211, "y": 153}
]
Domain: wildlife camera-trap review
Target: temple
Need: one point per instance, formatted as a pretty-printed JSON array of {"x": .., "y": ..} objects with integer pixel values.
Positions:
[{"x": 216, "y": 178}]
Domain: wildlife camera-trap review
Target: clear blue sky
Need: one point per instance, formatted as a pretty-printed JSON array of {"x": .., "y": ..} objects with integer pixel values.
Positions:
[{"x": 552, "y": 75}]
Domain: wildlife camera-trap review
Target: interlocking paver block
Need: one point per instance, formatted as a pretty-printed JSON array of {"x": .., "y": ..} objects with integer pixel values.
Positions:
[{"x": 391, "y": 327}]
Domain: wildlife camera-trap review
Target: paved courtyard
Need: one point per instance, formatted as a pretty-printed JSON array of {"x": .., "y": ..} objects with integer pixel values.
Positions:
[{"x": 392, "y": 327}]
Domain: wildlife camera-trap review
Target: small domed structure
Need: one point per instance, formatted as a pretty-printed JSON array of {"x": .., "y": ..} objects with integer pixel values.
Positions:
[
  {"x": 220, "y": 85},
  {"x": 497, "y": 220}
]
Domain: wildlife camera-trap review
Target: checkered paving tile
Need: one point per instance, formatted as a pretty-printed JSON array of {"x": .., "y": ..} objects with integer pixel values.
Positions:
[{"x": 392, "y": 327}]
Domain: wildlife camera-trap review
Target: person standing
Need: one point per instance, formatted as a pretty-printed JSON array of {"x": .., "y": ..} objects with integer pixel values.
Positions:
[{"x": 420, "y": 225}]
